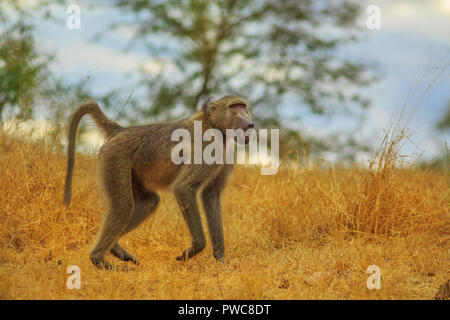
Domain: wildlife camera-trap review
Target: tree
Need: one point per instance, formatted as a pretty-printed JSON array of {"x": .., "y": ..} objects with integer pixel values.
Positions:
[
  {"x": 25, "y": 76},
  {"x": 21, "y": 72},
  {"x": 264, "y": 48},
  {"x": 267, "y": 51},
  {"x": 444, "y": 123}
]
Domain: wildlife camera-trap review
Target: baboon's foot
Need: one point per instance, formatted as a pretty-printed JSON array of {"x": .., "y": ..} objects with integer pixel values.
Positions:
[
  {"x": 101, "y": 263},
  {"x": 123, "y": 254},
  {"x": 218, "y": 254},
  {"x": 191, "y": 252},
  {"x": 184, "y": 256}
]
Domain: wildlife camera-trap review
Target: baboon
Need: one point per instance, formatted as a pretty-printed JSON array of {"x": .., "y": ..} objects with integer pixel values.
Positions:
[{"x": 135, "y": 162}]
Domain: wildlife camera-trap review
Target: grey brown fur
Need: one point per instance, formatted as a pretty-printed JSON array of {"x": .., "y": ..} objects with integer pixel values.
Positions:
[{"x": 135, "y": 162}]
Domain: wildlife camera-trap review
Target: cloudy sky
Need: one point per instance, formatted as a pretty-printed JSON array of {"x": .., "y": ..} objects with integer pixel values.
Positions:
[{"x": 408, "y": 52}]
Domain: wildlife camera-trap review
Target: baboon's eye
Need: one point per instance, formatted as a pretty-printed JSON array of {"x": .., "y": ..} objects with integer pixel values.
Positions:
[{"x": 237, "y": 105}]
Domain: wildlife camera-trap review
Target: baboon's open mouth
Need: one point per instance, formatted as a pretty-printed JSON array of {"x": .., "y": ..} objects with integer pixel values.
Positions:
[{"x": 242, "y": 138}]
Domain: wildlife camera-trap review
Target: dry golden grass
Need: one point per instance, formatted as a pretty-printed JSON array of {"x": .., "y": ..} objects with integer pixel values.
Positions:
[{"x": 301, "y": 234}]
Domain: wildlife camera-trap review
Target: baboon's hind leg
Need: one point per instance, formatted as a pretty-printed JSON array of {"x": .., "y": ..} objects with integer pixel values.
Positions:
[
  {"x": 145, "y": 203},
  {"x": 116, "y": 176}
]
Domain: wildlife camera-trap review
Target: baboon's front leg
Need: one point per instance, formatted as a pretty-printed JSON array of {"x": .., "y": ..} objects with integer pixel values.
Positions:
[
  {"x": 211, "y": 204},
  {"x": 186, "y": 197}
]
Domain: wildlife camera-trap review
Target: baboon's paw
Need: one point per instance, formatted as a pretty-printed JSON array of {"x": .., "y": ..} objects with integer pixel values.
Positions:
[
  {"x": 188, "y": 254},
  {"x": 129, "y": 257},
  {"x": 102, "y": 264},
  {"x": 183, "y": 257},
  {"x": 218, "y": 254},
  {"x": 192, "y": 251},
  {"x": 125, "y": 268},
  {"x": 124, "y": 255}
]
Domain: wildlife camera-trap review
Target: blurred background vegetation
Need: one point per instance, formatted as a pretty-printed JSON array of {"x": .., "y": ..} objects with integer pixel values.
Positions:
[{"x": 268, "y": 51}]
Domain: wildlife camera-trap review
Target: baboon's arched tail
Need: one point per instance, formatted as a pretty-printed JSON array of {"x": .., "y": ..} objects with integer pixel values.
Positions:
[{"x": 108, "y": 126}]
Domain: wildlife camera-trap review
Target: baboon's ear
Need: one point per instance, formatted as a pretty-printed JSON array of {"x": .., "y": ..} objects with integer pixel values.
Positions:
[{"x": 208, "y": 107}]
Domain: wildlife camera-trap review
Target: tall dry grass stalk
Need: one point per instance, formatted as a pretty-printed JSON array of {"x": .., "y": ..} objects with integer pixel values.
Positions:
[{"x": 374, "y": 213}]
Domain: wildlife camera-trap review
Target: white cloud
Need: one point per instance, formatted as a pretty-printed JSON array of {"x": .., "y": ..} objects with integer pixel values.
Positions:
[
  {"x": 444, "y": 5},
  {"x": 125, "y": 32},
  {"x": 429, "y": 19},
  {"x": 76, "y": 55}
]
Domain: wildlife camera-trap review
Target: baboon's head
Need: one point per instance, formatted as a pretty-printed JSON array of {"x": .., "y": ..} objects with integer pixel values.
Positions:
[{"x": 229, "y": 112}]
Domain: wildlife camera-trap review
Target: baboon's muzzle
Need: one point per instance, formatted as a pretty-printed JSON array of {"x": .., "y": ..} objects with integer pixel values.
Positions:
[{"x": 244, "y": 137}]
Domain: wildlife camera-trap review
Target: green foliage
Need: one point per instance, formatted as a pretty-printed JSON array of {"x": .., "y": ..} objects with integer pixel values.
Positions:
[
  {"x": 264, "y": 50},
  {"x": 26, "y": 80},
  {"x": 22, "y": 71},
  {"x": 444, "y": 123},
  {"x": 267, "y": 51},
  {"x": 270, "y": 51}
]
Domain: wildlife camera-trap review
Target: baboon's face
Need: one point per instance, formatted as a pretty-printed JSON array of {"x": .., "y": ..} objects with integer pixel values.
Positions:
[{"x": 230, "y": 113}]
